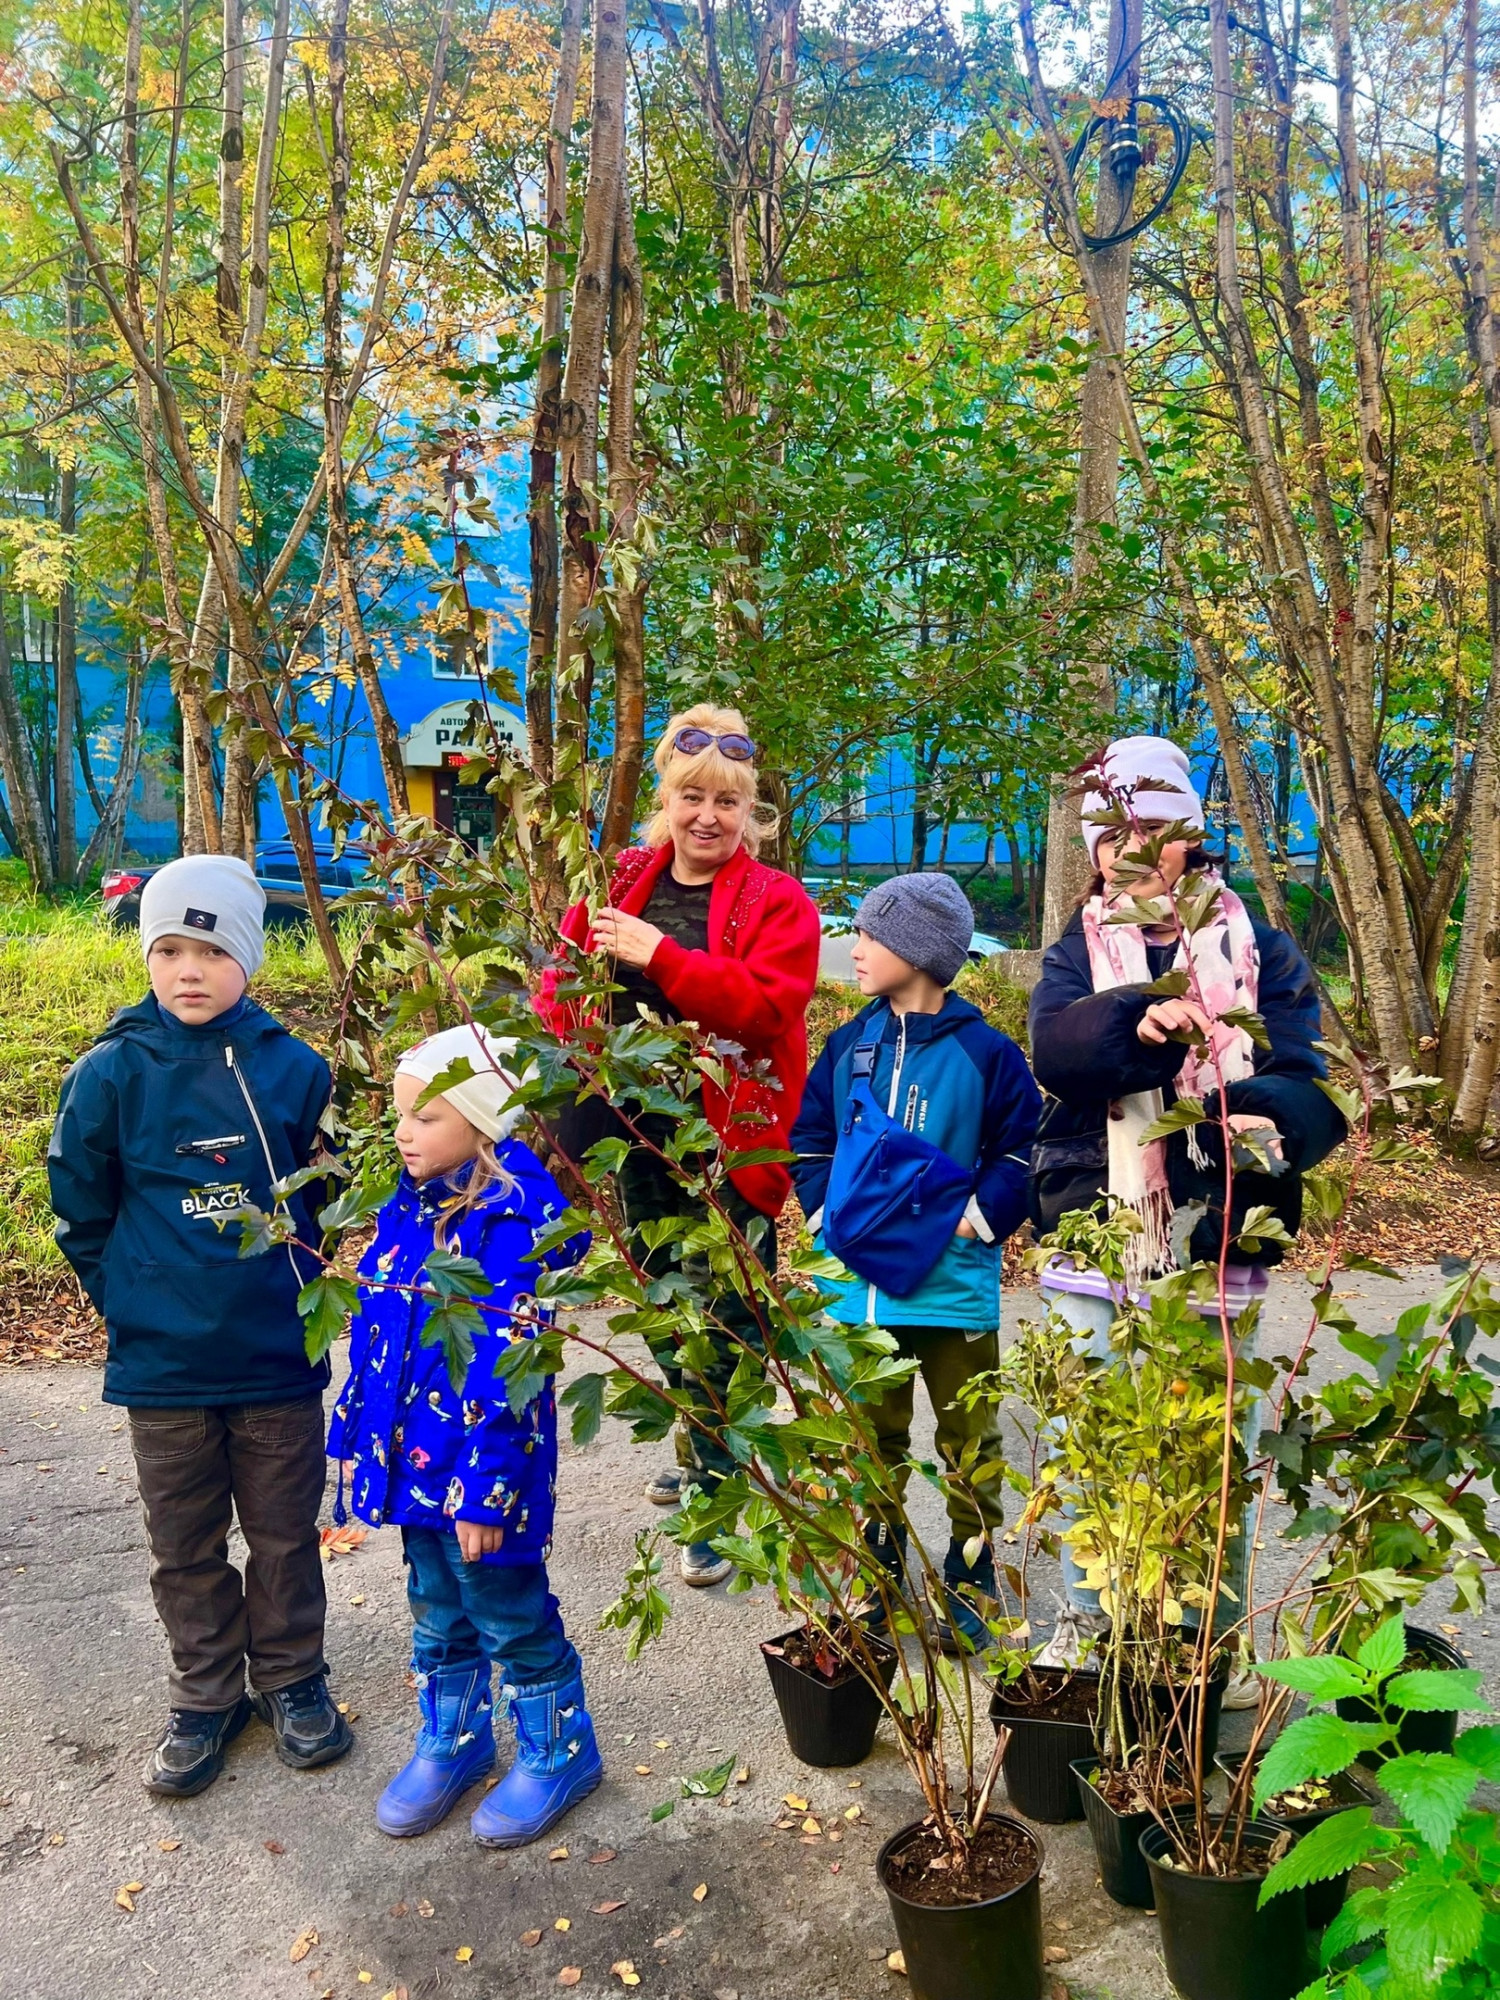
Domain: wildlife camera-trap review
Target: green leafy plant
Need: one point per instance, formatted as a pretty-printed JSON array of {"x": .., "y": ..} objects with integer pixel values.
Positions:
[{"x": 1430, "y": 1928}]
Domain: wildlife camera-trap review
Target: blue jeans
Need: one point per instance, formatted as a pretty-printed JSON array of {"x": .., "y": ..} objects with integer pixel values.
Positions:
[{"x": 463, "y": 1613}]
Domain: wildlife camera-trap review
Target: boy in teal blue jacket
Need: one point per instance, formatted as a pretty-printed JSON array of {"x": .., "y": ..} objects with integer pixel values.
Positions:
[{"x": 943, "y": 1072}]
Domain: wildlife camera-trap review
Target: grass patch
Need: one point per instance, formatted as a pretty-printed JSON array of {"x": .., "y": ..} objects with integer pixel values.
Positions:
[{"x": 64, "y": 971}]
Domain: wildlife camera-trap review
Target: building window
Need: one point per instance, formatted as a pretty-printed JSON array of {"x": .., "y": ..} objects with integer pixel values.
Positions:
[
  {"x": 454, "y": 659},
  {"x": 852, "y": 806}
]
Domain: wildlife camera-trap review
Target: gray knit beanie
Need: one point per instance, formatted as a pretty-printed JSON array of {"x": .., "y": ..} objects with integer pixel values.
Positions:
[
  {"x": 212, "y": 896},
  {"x": 925, "y": 919}
]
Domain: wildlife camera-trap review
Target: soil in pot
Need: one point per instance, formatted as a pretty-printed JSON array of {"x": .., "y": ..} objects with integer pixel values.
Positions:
[
  {"x": 1117, "y": 1816},
  {"x": 1303, "y": 1808},
  {"x": 1050, "y": 1713},
  {"x": 1420, "y": 1729},
  {"x": 970, "y": 1935},
  {"x": 830, "y": 1720},
  {"x": 1217, "y": 1945}
]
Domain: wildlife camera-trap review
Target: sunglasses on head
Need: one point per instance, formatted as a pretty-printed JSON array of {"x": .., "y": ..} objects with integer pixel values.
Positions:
[{"x": 738, "y": 749}]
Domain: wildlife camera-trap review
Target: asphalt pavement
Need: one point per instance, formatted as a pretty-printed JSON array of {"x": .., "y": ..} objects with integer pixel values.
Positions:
[{"x": 276, "y": 1884}]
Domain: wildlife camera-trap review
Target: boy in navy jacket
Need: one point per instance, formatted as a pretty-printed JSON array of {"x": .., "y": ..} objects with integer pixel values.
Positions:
[
  {"x": 189, "y": 1106},
  {"x": 943, "y": 1072}
]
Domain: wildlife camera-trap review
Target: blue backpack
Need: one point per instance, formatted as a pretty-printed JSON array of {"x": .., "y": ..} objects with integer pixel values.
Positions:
[{"x": 894, "y": 1200}]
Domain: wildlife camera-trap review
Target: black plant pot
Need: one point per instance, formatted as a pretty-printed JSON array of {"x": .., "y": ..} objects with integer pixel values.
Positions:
[
  {"x": 1041, "y": 1752},
  {"x": 827, "y": 1723},
  {"x": 970, "y": 1951},
  {"x": 1116, "y": 1836},
  {"x": 1217, "y": 1945},
  {"x": 1421, "y": 1729},
  {"x": 1324, "y": 1900},
  {"x": 1185, "y": 1697}
]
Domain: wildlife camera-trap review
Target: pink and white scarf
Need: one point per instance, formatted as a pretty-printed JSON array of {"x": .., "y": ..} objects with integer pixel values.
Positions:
[{"x": 1224, "y": 964}]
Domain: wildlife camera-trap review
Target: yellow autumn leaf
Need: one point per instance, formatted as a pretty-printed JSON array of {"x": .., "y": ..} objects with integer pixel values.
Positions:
[
  {"x": 464, "y": 1953},
  {"x": 700, "y": 1892}
]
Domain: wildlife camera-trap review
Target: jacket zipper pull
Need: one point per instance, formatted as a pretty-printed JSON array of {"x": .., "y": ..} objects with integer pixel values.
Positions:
[{"x": 229, "y": 1055}]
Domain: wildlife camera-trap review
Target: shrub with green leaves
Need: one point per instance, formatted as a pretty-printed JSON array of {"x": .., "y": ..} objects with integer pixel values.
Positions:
[{"x": 1430, "y": 1928}]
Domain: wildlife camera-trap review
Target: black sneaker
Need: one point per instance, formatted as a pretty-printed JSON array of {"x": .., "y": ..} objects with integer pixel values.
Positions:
[
  {"x": 664, "y": 1488},
  {"x": 309, "y": 1729},
  {"x": 191, "y": 1754}
]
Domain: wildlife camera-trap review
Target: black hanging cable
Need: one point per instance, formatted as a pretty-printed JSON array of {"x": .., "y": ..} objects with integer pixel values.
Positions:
[{"x": 1123, "y": 155}]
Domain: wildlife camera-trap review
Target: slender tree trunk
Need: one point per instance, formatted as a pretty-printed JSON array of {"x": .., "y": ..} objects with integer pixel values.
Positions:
[
  {"x": 105, "y": 842},
  {"x": 541, "y": 649},
  {"x": 628, "y": 596},
  {"x": 1098, "y": 451},
  {"x": 578, "y": 417},
  {"x": 1476, "y": 1034},
  {"x": 335, "y": 416},
  {"x": 18, "y": 767}
]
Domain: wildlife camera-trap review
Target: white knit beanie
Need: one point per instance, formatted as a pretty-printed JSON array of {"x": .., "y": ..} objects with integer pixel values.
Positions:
[
  {"x": 1160, "y": 783},
  {"x": 482, "y": 1097},
  {"x": 213, "y": 896}
]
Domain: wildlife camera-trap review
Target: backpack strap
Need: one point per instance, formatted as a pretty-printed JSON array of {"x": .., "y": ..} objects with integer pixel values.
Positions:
[{"x": 864, "y": 1060}]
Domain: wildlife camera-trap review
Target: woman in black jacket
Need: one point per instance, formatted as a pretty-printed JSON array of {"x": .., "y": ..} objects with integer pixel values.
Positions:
[{"x": 1102, "y": 1049}]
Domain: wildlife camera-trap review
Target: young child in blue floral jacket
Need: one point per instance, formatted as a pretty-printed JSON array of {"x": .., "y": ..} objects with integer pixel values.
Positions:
[{"x": 469, "y": 1480}]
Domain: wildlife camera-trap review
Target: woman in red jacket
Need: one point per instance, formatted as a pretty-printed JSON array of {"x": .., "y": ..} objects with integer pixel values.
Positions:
[{"x": 701, "y": 931}]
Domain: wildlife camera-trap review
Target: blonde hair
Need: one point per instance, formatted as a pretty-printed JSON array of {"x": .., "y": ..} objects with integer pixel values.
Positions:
[
  {"x": 710, "y": 768},
  {"x": 488, "y": 1173}
]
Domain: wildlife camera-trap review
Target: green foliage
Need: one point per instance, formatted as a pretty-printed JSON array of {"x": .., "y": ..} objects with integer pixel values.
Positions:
[{"x": 1435, "y": 1917}]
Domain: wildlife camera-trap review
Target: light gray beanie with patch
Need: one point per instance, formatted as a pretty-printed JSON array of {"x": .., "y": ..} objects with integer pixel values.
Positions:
[
  {"x": 925, "y": 919},
  {"x": 213, "y": 896}
]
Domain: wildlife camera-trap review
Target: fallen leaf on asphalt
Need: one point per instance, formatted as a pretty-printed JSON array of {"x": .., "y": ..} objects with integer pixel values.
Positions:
[
  {"x": 834, "y": 1867},
  {"x": 273, "y": 1847},
  {"x": 608, "y": 1909},
  {"x": 605, "y": 1854},
  {"x": 398, "y": 1909},
  {"x": 357, "y": 1601},
  {"x": 855, "y": 1784},
  {"x": 464, "y": 1953},
  {"x": 796, "y": 1804},
  {"x": 366, "y": 1978},
  {"x": 558, "y": 1854},
  {"x": 643, "y": 1770},
  {"x": 340, "y": 1541},
  {"x": 810, "y": 1825},
  {"x": 57, "y": 1840},
  {"x": 169, "y": 1846},
  {"x": 663, "y": 1742},
  {"x": 124, "y": 1900},
  {"x": 529, "y": 1938},
  {"x": 302, "y": 1944},
  {"x": 624, "y": 1970},
  {"x": 700, "y": 1892},
  {"x": 570, "y": 1975},
  {"x": 563, "y": 1924},
  {"x": 853, "y": 1812},
  {"x": 742, "y": 1775},
  {"x": 425, "y": 1909},
  {"x": 896, "y": 1961},
  {"x": 1055, "y": 1954}
]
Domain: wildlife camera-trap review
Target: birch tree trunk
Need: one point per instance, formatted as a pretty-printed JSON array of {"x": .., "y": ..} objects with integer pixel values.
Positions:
[
  {"x": 628, "y": 597},
  {"x": 1068, "y": 868}
]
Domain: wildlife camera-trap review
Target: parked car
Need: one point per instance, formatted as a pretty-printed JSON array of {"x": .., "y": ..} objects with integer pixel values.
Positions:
[{"x": 277, "y": 872}]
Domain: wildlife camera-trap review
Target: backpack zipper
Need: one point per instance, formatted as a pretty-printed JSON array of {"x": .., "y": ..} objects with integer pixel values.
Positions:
[{"x": 260, "y": 1131}]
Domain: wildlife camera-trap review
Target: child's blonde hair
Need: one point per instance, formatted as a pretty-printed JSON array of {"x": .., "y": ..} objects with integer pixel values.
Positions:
[
  {"x": 710, "y": 768},
  {"x": 488, "y": 1173}
]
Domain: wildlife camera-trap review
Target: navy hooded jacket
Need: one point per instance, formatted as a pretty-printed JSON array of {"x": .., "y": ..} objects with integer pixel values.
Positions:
[
  {"x": 162, "y": 1127},
  {"x": 966, "y": 1089},
  {"x": 1086, "y": 1053}
]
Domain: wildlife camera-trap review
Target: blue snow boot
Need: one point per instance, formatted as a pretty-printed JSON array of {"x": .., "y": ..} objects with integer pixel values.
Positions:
[
  {"x": 557, "y": 1764},
  {"x": 455, "y": 1749}
]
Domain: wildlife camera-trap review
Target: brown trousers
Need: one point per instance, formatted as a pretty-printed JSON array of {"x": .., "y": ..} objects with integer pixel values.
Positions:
[{"x": 265, "y": 1463}]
